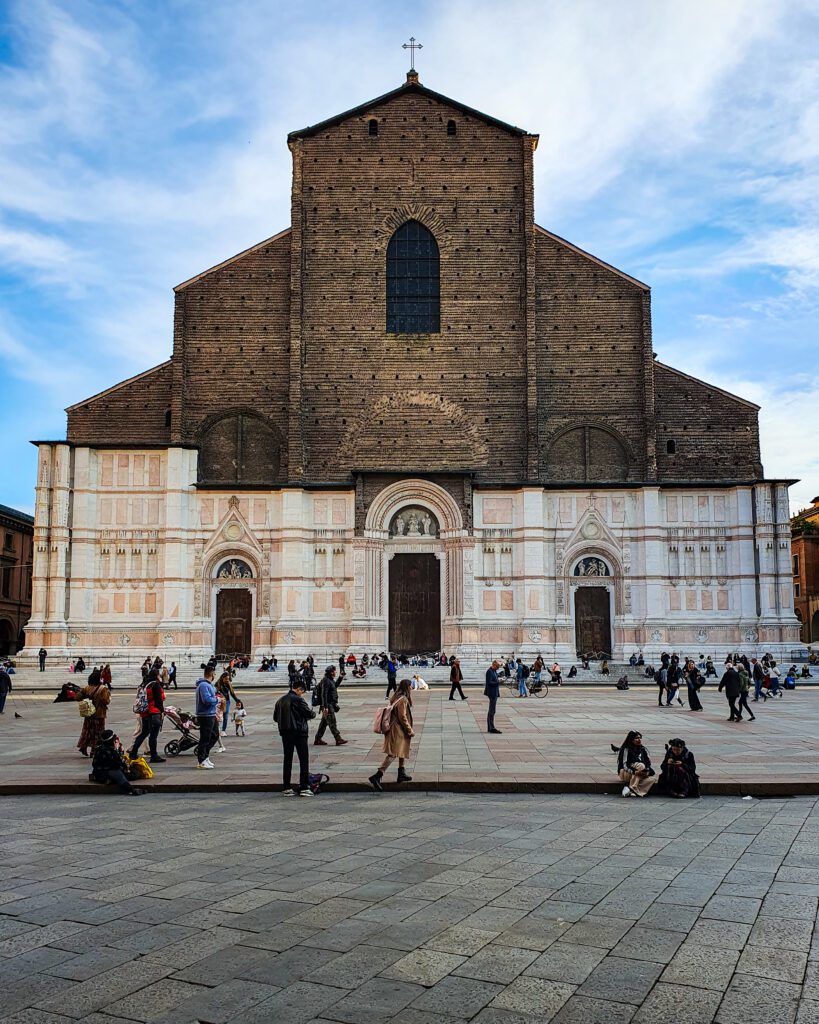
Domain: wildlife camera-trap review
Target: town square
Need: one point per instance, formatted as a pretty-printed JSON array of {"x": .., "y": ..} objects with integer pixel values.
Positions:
[{"x": 409, "y": 536}]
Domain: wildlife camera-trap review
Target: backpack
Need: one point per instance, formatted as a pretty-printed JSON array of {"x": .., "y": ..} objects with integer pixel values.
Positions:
[
  {"x": 383, "y": 720},
  {"x": 526, "y": 671},
  {"x": 315, "y": 782},
  {"x": 315, "y": 698},
  {"x": 141, "y": 701},
  {"x": 86, "y": 708}
]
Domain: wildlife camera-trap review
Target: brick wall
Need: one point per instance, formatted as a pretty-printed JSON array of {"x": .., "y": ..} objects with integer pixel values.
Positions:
[
  {"x": 134, "y": 411},
  {"x": 716, "y": 436}
]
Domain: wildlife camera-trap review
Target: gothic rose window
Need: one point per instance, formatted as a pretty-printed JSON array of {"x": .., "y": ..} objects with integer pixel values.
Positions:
[{"x": 413, "y": 281}]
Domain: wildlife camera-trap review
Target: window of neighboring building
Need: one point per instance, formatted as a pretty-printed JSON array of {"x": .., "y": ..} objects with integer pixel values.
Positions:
[
  {"x": 9, "y": 542},
  {"x": 372, "y": 127},
  {"x": 6, "y": 583},
  {"x": 797, "y": 590},
  {"x": 671, "y": 447},
  {"x": 413, "y": 281},
  {"x": 796, "y": 565},
  {"x": 451, "y": 128}
]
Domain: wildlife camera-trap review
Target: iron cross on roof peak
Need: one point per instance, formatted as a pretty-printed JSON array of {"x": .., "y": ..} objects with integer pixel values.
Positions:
[{"x": 412, "y": 46}]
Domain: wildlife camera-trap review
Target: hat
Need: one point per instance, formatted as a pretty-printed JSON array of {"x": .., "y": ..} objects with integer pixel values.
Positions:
[
  {"x": 676, "y": 742},
  {"x": 107, "y": 736}
]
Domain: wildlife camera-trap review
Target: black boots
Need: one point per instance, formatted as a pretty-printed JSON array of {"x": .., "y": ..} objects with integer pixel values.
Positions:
[
  {"x": 375, "y": 781},
  {"x": 403, "y": 777}
]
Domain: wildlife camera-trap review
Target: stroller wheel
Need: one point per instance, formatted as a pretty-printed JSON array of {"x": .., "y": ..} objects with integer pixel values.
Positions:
[{"x": 172, "y": 748}]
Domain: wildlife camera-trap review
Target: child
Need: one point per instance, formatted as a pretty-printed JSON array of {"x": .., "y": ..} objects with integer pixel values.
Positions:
[
  {"x": 220, "y": 711},
  {"x": 239, "y": 716}
]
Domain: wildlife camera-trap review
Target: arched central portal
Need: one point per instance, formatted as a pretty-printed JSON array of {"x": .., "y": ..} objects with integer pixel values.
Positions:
[
  {"x": 234, "y": 621},
  {"x": 415, "y": 603}
]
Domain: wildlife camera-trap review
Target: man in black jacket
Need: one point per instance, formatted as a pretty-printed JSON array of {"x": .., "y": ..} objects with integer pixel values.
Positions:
[
  {"x": 492, "y": 691},
  {"x": 328, "y": 702},
  {"x": 109, "y": 764},
  {"x": 292, "y": 714},
  {"x": 731, "y": 682}
]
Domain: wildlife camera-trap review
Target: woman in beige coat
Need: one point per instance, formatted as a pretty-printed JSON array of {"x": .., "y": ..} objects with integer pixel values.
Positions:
[{"x": 397, "y": 740}]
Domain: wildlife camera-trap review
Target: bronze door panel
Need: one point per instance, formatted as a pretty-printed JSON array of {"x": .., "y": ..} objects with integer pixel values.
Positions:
[
  {"x": 415, "y": 604},
  {"x": 592, "y": 620},
  {"x": 234, "y": 621}
]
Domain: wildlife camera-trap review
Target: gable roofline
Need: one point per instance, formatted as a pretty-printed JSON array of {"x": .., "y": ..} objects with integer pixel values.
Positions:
[
  {"x": 412, "y": 85},
  {"x": 705, "y": 383},
  {"x": 115, "y": 387},
  {"x": 231, "y": 259},
  {"x": 594, "y": 259}
]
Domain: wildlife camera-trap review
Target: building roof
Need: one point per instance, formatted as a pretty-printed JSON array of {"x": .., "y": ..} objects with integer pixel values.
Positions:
[
  {"x": 412, "y": 85},
  {"x": 114, "y": 387},
  {"x": 594, "y": 259},
  {"x": 13, "y": 513}
]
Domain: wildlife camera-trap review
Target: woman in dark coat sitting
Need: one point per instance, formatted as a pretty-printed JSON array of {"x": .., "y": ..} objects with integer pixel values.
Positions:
[
  {"x": 678, "y": 774},
  {"x": 109, "y": 765}
]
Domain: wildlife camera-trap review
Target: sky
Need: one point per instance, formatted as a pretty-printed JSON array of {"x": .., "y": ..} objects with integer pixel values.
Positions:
[{"x": 142, "y": 141}]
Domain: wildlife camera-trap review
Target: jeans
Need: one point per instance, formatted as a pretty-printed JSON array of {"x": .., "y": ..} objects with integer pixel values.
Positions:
[
  {"x": 757, "y": 688},
  {"x": 391, "y": 685},
  {"x": 3, "y": 695},
  {"x": 328, "y": 721},
  {"x": 115, "y": 776},
  {"x": 293, "y": 741},
  {"x": 151, "y": 724},
  {"x": 522, "y": 691},
  {"x": 490, "y": 715},
  {"x": 225, "y": 715},
  {"x": 743, "y": 703},
  {"x": 453, "y": 688},
  {"x": 208, "y": 734},
  {"x": 42, "y": 664}
]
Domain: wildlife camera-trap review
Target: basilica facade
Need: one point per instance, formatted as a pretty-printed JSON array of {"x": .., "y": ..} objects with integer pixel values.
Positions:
[{"x": 412, "y": 420}]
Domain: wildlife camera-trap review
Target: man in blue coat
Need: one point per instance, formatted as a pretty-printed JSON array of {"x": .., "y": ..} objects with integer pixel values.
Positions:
[{"x": 492, "y": 691}]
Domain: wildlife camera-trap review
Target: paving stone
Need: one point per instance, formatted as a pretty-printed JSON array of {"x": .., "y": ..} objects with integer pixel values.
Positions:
[
  {"x": 793, "y": 907},
  {"x": 535, "y": 996},
  {"x": 604, "y": 932},
  {"x": 34, "y": 961},
  {"x": 26, "y": 993},
  {"x": 423, "y": 967},
  {"x": 680, "y": 1003},
  {"x": 233, "y": 999},
  {"x": 780, "y": 935},
  {"x": 461, "y": 939},
  {"x": 89, "y": 965},
  {"x": 732, "y": 908},
  {"x": 564, "y": 961},
  {"x": 379, "y": 1000},
  {"x": 36, "y": 1017},
  {"x": 617, "y": 978},
  {"x": 97, "y": 992},
  {"x": 584, "y": 1010},
  {"x": 655, "y": 944},
  {"x": 229, "y": 962},
  {"x": 500, "y": 964},
  {"x": 758, "y": 1000},
  {"x": 534, "y": 933},
  {"x": 283, "y": 969},
  {"x": 185, "y": 952},
  {"x": 701, "y": 966},
  {"x": 720, "y": 934},
  {"x": 351, "y": 969},
  {"x": 154, "y": 937},
  {"x": 759, "y": 962},
  {"x": 670, "y": 916},
  {"x": 36, "y": 937},
  {"x": 808, "y": 1012},
  {"x": 458, "y": 997},
  {"x": 154, "y": 1002}
]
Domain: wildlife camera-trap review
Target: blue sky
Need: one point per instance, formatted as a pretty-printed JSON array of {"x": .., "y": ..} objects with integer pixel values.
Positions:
[{"x": 143, "y": 141}]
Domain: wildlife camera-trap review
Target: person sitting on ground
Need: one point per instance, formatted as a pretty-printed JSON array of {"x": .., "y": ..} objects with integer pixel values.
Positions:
[
  {"x": 640, "y": 659},
  {"x": 418, "y": 683},
  {"x": 622, "y": 682},
  {"x": 110, "y": 766},
  {"x": 604, "y": 668},
  {"x": 572, "y": 672},
  {"x": 790, "y": 678},
  {"x": 678, "y": 774},
  {"x": 805, "y": 673},
  {"x": 633, "y": 660},
  {"x": 634, "y": 765}
]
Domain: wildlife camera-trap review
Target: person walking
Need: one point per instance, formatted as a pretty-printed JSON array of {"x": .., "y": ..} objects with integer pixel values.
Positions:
[
  {"x": 456, "y": 677},
  {"x": 492, "y": 691},
  {"x": 93, "y": 727},
  {"x": 392, "y": 672},
  {"x": 328, "y": 702},
  {"x": 172, "y": 675},
  {"x": 292, "y": 714},
  {"x": 398, "y": 740},
  {"x": 730, "y": 683},
  {"x": 5, "y": 688},
  {"x": 673, "y": 684},
  {"x": 520, "y": 675},
  {"x": 744, "y": 690},
  {"x": 758, "y": 674},
  {"x": 225, "y": 687},
  {"x": 206, "y": 705},
  {"x": 694, "y": 681},
  {"x": 42, "y": 654},
  {"x": 151, "y": 718},
  {"x": 661, "y": 679}
]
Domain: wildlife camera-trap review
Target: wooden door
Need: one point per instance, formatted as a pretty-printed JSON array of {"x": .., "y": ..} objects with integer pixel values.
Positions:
[
  {"x": 234, "y": 621},
  {"x": 592, "y": 619},
  {"x": 415, "y": 604}
]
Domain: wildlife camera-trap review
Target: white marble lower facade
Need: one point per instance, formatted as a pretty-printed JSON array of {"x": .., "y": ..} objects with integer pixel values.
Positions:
[{"x": 130, "y": 558}]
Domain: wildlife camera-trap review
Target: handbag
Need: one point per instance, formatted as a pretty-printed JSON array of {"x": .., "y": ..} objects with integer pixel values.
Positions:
[
  {"x": 140, "y": 769},
  {"x": 86, "y": 708}
]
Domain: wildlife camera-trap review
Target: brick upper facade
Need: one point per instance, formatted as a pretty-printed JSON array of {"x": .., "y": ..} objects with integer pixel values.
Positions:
[{"x": 543, "y": 371}]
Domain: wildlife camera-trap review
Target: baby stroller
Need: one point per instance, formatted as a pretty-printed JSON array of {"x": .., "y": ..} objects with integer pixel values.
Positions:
[{"x": 187, "y": 725}]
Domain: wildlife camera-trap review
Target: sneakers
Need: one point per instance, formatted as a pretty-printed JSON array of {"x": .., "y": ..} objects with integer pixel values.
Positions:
[
  {"x": 221, "y": 748},
  {"x": 626, "y": 791},
  {"x": 288, "y": 792},
  {"x": 206, "y": 764},
  {"x": 306, "y": 792}
]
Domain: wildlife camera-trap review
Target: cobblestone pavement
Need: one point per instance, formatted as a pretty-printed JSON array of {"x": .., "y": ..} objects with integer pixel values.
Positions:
[
  {"x": 423, "y": 909},
  {"x": 561, "y": 740}
]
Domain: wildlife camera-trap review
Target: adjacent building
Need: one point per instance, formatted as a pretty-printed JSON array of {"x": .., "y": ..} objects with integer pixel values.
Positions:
[
  {"x": 17, "y": 540},
  {"x": 413, "y": 419},
  {"x": 805, "y": 557}
]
